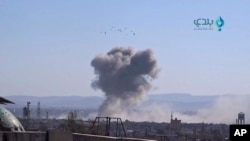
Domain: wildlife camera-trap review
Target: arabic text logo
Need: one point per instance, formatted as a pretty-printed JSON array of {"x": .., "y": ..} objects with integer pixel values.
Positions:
[
  {"x": 203, "y": 21},
  {"x": 207, "y": 24},
  {"x": 203, "y": 24},
  {"x": 219, "y": 23}
]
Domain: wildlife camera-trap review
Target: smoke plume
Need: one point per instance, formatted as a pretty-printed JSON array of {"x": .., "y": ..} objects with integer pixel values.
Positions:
[
  {"x": 124, "y": 76},
  {"x": 224, "y": 109}
]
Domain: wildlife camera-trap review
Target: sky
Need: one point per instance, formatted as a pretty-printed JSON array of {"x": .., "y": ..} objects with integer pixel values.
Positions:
[{"x": 46, "y": 47}]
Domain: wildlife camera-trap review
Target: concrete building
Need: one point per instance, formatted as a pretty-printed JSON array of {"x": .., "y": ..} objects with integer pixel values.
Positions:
[
  {"x": 241, "y": 118},
  {"x": 175, "y": 124}
]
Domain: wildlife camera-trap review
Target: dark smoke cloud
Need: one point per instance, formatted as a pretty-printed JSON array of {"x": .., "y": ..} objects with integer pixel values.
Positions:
[{"x": 124, "y": 77}]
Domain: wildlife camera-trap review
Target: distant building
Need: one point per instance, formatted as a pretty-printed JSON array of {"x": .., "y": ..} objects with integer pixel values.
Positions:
[
  {"x": 175, "y": 124},
  {"x": 241, "y": 118},
  {"x": 26, "y": 111}
]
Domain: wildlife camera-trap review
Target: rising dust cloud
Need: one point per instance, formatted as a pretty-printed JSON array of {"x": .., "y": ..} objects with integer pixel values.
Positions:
[
  {"x": 225, "y": 109},
  {"x": 125, "y": 77}
]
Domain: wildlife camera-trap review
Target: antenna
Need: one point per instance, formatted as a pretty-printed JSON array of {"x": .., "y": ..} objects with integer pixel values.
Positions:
[{"x": 38, "y": 114}]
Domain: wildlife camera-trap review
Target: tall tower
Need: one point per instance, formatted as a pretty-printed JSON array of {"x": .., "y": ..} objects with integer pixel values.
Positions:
[
  {"x": 241, "y": 118},
  {"x": 38, "y": 114},
  {"x": 26, "y": 111},
  {"x": 47, "y": 115}
]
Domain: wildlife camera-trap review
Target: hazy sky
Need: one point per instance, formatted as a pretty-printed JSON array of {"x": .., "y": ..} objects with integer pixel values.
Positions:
[{"x": 46, "y": 46}]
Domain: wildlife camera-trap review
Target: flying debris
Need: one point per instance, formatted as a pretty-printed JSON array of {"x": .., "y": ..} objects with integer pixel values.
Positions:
[
  {"x": 103, "y": 33},
  {"x": 122, "y": 31},
  {"x": 133, "y": 32}
]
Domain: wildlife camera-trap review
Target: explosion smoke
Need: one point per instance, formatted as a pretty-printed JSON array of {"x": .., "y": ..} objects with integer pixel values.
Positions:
[{"x": 124, "y": 77}]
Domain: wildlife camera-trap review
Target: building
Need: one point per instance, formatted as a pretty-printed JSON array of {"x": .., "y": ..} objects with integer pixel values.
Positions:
[{"x": 241, "y": 118}]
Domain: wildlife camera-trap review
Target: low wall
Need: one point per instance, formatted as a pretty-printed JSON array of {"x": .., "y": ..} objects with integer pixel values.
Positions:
[
  {"x": 59, "y": 136},
  {"x": 22, "y": 136},
  {"x": 88, "y": 137}
]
